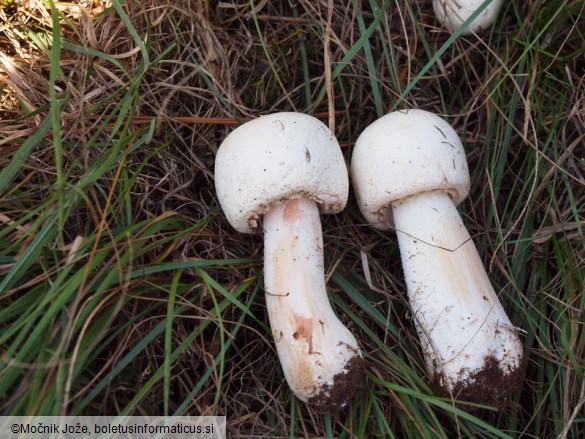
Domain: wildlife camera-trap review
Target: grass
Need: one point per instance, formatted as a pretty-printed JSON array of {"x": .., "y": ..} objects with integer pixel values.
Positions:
[{"x": 123, "y": 290}]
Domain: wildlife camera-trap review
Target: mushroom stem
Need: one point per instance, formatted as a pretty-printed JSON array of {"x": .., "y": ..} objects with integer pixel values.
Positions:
[
  {"x": 319, "y": 355},
  {"x": 472, "y": 349}
]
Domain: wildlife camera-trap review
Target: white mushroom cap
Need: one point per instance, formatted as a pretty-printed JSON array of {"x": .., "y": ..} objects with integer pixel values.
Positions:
[
  {"x": 277, "y": 157},
  {"x": 419, "y": 150},
  {"x": 452, "y": 14}
]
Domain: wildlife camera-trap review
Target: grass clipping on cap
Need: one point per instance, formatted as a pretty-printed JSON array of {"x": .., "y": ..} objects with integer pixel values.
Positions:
[{"x": 123, "y": 290}]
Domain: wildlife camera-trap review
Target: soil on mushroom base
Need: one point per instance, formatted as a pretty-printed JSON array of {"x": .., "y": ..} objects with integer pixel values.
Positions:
[
  {"x": 488, "y": 386},
  {"x": 335, "y": 397}
]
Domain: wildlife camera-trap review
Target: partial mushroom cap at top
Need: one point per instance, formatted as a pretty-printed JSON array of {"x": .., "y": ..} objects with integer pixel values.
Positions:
[
  {"x": 452, "y": 14},
  {"x": 402, "y": 154},
  {"x": 277, "y": 157}
]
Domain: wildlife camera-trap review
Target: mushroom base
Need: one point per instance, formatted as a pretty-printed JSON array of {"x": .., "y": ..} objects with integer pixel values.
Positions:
[
  {"x": 334, "y": 397},
  {"x": 489, "y": 385}
]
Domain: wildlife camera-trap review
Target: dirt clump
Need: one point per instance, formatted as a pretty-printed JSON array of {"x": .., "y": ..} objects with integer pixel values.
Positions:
[{"x": 335, "y": 397}]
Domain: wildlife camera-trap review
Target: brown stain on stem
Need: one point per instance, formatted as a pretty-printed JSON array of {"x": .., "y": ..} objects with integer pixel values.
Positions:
[
  {"x": 304, "y": 330},
  {"x": 472, "y": 274}
]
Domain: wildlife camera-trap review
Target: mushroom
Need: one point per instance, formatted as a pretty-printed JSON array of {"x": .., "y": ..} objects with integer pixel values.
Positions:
[
  {"x": 410, "y": 172},
  {"x": 452, "y": 14},
  {"x": 284, "y": 167}
]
